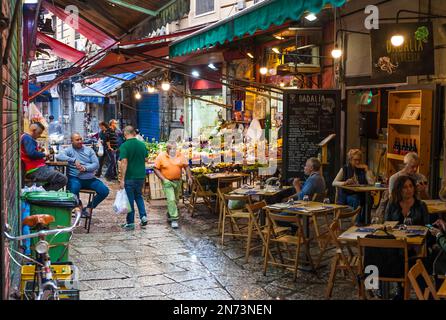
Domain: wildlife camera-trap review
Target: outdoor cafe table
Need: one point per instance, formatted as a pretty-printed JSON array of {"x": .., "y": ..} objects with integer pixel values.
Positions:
[
  {"x": 221, "y": 175},
  {"x": 414, "y": 235},
  {"x": 309, "y": 210},
  {"x": 366, "y": 189},
  {"x": 435, "y": 206},
  {"x": 256, "y": 191}
]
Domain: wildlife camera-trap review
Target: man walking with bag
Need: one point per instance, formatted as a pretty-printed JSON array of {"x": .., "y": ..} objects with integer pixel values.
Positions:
[
  {"x": 168, "y": 166},
  {"x": 133, "y": 154}
]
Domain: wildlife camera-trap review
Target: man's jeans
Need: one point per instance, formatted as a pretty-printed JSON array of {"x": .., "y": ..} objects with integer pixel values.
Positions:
[
  {"x": 111, "y": 170},
  {"x": 54, "y": 179},
  {"x": 75, "y": 184},
  {"x": 172, "y": 190},
  {"x": 133, "y": 188}
]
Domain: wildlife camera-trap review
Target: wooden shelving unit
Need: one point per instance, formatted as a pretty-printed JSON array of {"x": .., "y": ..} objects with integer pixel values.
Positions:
[{"x": 420, "y": 129}]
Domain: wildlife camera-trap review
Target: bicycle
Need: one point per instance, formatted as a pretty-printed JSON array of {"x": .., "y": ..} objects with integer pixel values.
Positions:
[{"x": 47, "y": 288}]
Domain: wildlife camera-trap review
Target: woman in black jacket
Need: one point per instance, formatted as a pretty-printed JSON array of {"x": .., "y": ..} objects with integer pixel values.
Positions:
[{"x": 404, "y": 206}]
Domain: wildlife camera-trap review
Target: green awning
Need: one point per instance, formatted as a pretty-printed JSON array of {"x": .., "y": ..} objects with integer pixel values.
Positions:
[{"x": 257, "y": 17}]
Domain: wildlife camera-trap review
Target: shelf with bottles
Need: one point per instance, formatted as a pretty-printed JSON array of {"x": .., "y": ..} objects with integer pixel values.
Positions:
[
  {"x": 403, "y": 145},
  {"x": 409, "y": 128}
]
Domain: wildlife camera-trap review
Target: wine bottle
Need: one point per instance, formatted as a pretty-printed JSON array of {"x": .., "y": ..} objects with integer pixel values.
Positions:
[
  {"x": 410, "y": 145},
  {"x": 395, "y": 146},
  {"x": 415, "y": 146},
  {"x": 398, "y": 146},
  {"x": 404, "y": 148}
]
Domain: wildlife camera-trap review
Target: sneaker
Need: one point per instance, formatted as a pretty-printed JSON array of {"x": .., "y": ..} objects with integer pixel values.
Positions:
[
  {"x": 174, "y": 224},
  {"x": 128, "y": 226},
  {"x": 144, "y": 221}
]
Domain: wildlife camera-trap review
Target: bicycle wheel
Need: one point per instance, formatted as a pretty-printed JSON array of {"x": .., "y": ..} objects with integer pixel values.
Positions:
[{"x": 50, "y": 294}]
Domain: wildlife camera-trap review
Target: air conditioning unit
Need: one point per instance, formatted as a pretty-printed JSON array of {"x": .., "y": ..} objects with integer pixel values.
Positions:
[
  {"x": 241, "y": 4},
  {"x": 304, "y": 60}
]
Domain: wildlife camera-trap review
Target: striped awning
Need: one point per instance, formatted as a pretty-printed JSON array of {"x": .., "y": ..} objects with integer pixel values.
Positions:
[{"x": 257, "y": 17}]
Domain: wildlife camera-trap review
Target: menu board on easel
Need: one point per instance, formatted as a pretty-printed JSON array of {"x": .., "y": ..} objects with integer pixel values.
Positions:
[{"x": 309, "y": 117}]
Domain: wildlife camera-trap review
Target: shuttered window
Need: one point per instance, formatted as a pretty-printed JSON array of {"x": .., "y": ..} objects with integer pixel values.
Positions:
[{"x": 204, "y": 6}]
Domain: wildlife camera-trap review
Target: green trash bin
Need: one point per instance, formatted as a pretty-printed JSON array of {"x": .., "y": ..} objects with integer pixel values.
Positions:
[{"x": 59, "y": 205}]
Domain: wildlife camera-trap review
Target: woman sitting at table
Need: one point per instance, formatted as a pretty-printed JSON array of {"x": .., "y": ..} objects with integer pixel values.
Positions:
[
  {"x": 404, "y": 206},
  {"x": 354, "y": 173}
]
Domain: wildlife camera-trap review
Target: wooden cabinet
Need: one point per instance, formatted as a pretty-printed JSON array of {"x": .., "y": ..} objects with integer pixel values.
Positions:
[{"x": 418, "y": 130}]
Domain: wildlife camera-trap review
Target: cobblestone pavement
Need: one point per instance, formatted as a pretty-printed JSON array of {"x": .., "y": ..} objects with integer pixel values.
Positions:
[{"x": 157, "y": 262}]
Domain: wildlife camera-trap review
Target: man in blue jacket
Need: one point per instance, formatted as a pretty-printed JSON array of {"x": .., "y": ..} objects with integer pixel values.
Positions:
[
  {"x": 315, "y": 182},
  {"x": 82, "y": 166}
]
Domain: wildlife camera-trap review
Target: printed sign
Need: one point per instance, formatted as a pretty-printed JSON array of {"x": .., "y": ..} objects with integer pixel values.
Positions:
[{"x": 415, "y": 56}]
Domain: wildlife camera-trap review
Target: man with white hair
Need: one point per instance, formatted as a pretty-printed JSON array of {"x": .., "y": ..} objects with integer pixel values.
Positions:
[
  {"x": 168, "y": 167},
  {"x": 411, "y": 164}
]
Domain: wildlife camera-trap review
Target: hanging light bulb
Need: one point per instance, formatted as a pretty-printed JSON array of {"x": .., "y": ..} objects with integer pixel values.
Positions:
[
  {"x": 397, "y": 40},
  {"x": 249, "y": 54},
  {"x": 165, "y": 85},
  {"x": 276, "y": 50},
  {"x": 195, "y": 73},
  {"x": 137, "y": 95},
  {"x": 150, "y": 89},
  {"x": 282, "y": 84},
  {"x": 311, "y": 17},
  {"x": 263, "y": 70},
  {"x": 336, "y": 52}
]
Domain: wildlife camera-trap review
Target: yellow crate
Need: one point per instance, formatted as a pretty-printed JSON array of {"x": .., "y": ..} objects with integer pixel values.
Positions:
[{"x": 61, "y": 273}]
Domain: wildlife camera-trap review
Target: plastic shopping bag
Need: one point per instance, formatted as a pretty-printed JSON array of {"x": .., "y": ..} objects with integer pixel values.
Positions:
[
  {"x": 100, "y": 150},
  {"x": 122, "y": 203}
]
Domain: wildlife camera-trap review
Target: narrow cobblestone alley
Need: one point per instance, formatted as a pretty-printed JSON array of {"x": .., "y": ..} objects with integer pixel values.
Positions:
[{"x": 157, "y": 262}]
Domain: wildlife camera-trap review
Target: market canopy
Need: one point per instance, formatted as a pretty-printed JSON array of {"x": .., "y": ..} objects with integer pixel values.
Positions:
[
  {"x": 96, "y": 92},
  {"x": 60, "y": 49},
  {"x": 257, "y": 17},
  {"x": 128, "y": 56},
  {"x": 105, "y": 21}
]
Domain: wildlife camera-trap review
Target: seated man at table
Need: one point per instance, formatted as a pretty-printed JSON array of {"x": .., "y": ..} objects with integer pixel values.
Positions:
[
  {"x": 411, "y": 163},
  {"x": 34, "y": 160},
  {"x": 314, "y": 184},
  {"x": 82, "y": 165}
]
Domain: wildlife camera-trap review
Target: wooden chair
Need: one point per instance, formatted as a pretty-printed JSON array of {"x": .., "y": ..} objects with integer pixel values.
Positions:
[
  {"x": 222, "y": 204},
  {"x": 401, "y": 244},
  {"x": 91, "y": 194},
  {"x": 254, "y": 211},
  {"x": 198, "y": 191},
  {"x": 347, "y": 217},
  {"x": 343, "y": 260},
  {"x": 234, "y": 216},
  {"x": 416, "y": 271},
  {"x": 297, "y": 240}
]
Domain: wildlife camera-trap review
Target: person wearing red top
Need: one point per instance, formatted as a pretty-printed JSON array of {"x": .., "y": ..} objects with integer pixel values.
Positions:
[{"x": 34, "y": 160}]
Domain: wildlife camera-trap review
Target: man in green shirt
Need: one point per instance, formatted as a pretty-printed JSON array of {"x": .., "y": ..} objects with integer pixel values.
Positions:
[{"x": 133, "y": 154}]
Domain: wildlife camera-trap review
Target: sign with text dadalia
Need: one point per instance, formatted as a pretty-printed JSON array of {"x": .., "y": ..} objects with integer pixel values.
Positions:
[{"x": 415, "y": 56}]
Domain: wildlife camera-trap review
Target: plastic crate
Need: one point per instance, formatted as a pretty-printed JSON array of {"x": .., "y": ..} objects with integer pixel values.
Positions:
[{"x": 62, "y": 273}]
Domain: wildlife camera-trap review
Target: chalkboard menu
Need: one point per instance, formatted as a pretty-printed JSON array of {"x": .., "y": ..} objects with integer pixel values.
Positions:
[{"x": 309, "y": 117}]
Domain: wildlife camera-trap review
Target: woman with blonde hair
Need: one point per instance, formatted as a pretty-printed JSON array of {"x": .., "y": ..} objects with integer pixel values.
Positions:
[{"x": 355, "y": 172}]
